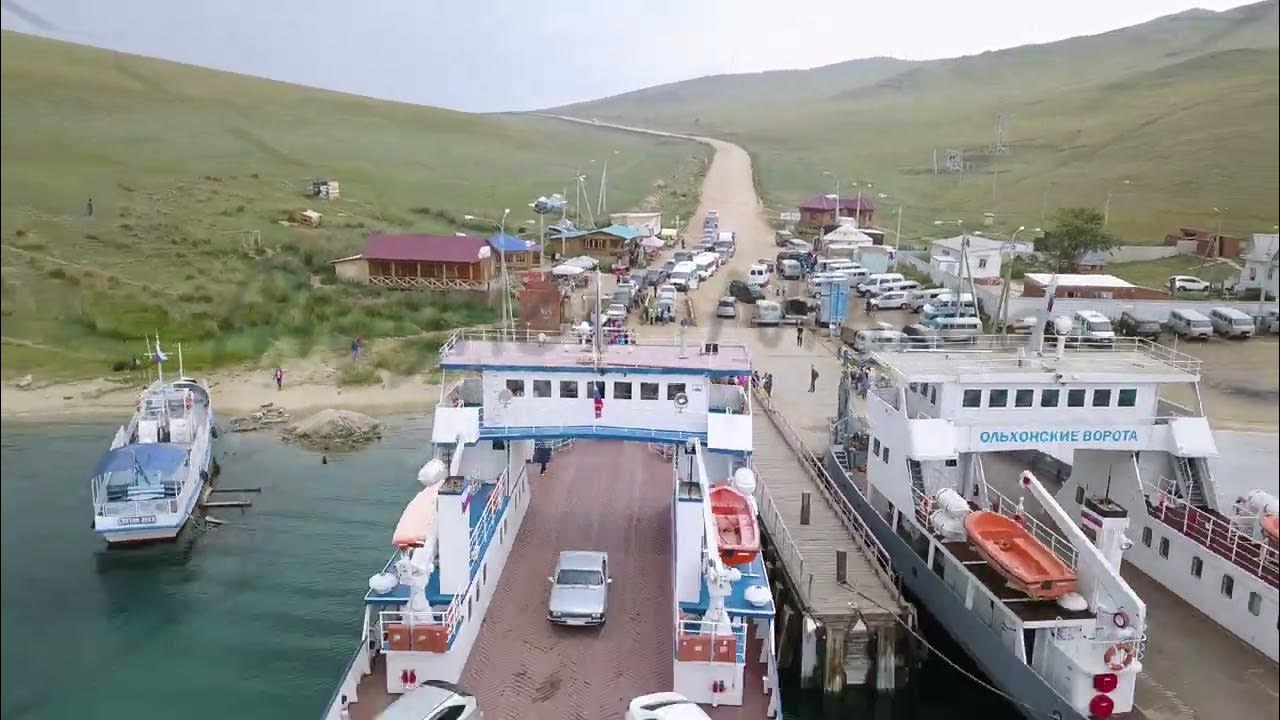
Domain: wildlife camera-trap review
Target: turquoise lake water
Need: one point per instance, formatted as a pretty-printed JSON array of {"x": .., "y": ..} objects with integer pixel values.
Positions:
[{"x": 253, "y": 619}]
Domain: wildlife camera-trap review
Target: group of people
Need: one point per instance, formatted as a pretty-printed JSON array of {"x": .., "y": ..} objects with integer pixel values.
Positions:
[
  {"x": 862, "y": 379},
  {"x": 764, "y": 381}
]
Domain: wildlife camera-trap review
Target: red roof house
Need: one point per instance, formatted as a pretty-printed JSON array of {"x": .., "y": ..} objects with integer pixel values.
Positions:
[{"x": 418, "y": 261}]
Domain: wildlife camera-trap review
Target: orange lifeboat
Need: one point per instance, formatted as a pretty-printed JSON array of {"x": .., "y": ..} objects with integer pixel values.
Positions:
[
  {"x": 1023, "y": 560},
  {"x": 1271, "y": 528},
  {"x": 739, "y": 536}
]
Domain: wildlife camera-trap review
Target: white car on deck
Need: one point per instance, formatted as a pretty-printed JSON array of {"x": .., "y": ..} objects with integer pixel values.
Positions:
[
  {"x": 665, "y": 706},
  {"x": 433, "y": 700}
]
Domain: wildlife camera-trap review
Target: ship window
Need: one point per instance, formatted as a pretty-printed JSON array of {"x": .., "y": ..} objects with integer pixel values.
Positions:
[
  {"x": 622, "y": 391},
  {"x": 998, "y": 398},
  {"x": 973, "y": 398},
  {"x": 1024, "y": 398},
  {"x": 516, "y": 387},
  {"x": 674, "y": 389},
  {"x": 484, "y": 576},
  {"x": 1228, "y": 585},
  {"x": 1255, "y": 603},
  {"x": 1164, "y": 547},
  {"x": 1146, "y": 536},
  {"x": 933, "y": 394},
  {"x": 1128, "y": 397},
  {"x": 1075, "y": 398},
  {"x": 1102, "y": 397},
  {"x": 542, "y": 388},
  {"x": 648, "y": 391},
  {"x": 1197, "y": 567},
  {"x": 875, "y": 446},
  {"x": 595, "y": 389},
  {"x": 952, "y": 462},
  {"x": 914, "y": 387},
  {"x": 1050, "y": 398},
  {"x": 568, "y": 388},
  {"x": 1079, "y": 494},
  {"x": 886, "y": 453}
]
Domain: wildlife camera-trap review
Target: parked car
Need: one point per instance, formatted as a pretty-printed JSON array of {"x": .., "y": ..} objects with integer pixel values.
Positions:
[
  {"x": 768, "y": 313},
  {"x": 1230, "y": 322},
  {"x": 1090, "y": 327},
  {"x": 727, "y": 308},
  {"x": 920, "y": 298},
  {"x": 434, "y": 699},
  {"x": 1187, "y": 283},
  {"x": 579, "y": 588},
  {"x": 1023, "y": 326},
  {"x": 665, "y": 706},
  {"x": 791, "y": 269},
  {"x": 616, "y": 311},
  {"x": 883, "y": 337},
  {"x": 892, "y": 299},
  {"x": 1130, "y": 325},
  {"x": 758, "y": 275},
  {"x": 1190, "y": 324},
  {"x": 745, "y": 292},
  {"x": 920, "y": 336},
  {"x": 876, "y": 280},
  {"x": 1270, "y": 322}
]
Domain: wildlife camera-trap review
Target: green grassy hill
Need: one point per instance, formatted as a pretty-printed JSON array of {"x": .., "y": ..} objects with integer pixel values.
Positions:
[
  {"x": 186, "y": 165},
  {"x": 1183, "y": 107}
]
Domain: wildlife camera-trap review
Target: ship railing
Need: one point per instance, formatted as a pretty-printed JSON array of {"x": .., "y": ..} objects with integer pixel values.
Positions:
[
  {"x": 1219, "y": 536},
  {"x": 709, "y": 641},
  {"x": 560, "y": 444},
  {"x": 995, "y": 351},
  {"x": 783, "y": 543},
  {"x": 857, "y": 528},
  {"x": 1001, "y": 503},
  {"x": 489, "y": 516},
  {"x": 519, "y": 335},
  {"x": 414, "y": 618},
  {"x": 135, "y": 508},
  {"x": 1136, "y": 646},
  {"x": 774, "y": 685},
  {"x": 664, "y": 450}
]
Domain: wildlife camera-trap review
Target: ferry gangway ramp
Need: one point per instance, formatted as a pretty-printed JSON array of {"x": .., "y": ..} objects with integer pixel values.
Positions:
[{"x": 867, "y": 601}]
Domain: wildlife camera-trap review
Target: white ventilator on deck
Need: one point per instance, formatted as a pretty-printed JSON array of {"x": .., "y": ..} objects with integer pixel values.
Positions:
[
  {"x": 1261, "y": 502},
  {"x": 948, "y": 517},
  {"x": 744, "y": 481}
]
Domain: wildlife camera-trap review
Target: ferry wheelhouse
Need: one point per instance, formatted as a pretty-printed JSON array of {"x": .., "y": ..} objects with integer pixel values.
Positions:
[
  {"x": 636, "y": 439},
  {"x": 147, "y": 485}
]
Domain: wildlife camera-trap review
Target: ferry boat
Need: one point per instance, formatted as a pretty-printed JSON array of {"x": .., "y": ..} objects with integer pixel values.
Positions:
[
  {"x": 635, "y": 440},
  {"x": 1029, "y": 588},
  {"x": 145, "y": 487}
]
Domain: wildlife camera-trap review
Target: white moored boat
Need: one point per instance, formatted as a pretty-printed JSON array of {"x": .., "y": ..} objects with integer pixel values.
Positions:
[
  {"x": 147, "y": 485},
  {"x": 638, "y": 438}
]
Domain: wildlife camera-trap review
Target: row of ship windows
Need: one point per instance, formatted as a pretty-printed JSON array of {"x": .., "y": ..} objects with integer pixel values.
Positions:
[
  {"x": 1228, "y": 585},
  {"x": 596, "y": 389},
  {"x": 1051, "y": 397}
]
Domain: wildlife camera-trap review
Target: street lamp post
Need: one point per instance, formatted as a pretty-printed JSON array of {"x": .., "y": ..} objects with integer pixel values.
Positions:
[
  {"x": 1007, "y": 273},
  {"x": 1106, "y": 209},
  {"x": 507, "y": 318},
  {"x": 897, "y": 238},
  {"x": 835, "y": 216}
]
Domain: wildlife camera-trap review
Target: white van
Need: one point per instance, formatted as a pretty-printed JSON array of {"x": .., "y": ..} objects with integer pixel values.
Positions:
[
  {"x": 883, "y": 337},
  {"x": 920, "y": 298},
  {"x": 767, "y": 313},
  {"x": 876, "y": 280},
  {"x": 1231, "y": 322},
  {"x": 727, "y": 236},
  {"x": 1190, "y": 324},
  {"x": 758, "y": 275},
  {"x": 906, "y": 286},
  {"x": 955, "y": 329},
  {"x": 947, "y": 304},
  {"x": 706, "y": 264},
  {"x": 831, "y": 264},
  {"x": 817, "y": 280},
  {"x": 791, "y": 270},
  {"x": 685, "y": 276},
  {"x": 1090, "y": 327},
  {"x": 855, "y": 275}
]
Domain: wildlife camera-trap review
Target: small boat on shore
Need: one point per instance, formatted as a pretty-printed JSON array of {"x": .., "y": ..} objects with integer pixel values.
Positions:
[
  {"x": 1023, "y": 560},
  {"x": 738, "y": 535}
]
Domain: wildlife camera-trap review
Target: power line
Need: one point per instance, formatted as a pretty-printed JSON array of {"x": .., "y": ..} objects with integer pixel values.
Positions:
[{"x": 936, "y": 651}]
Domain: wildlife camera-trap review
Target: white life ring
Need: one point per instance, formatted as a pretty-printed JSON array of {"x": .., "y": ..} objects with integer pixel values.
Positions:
[
  {"x": 1119, "y": 656},
  {"x": 1120, "y": 619}
]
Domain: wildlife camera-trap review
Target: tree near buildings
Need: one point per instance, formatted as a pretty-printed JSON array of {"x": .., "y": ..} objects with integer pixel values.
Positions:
[{"x": 1074, "y": 233}]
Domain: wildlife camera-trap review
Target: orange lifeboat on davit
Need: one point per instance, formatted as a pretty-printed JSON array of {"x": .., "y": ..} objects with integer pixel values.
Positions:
[
  {"x": 1271, "y": 528},
  {"x": 738, "y": 535},
  {"x": 1023, "y": 560}
]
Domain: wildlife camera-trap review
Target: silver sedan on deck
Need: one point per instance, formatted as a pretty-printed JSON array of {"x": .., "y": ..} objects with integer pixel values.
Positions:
[{"x": 579, "y": 588}]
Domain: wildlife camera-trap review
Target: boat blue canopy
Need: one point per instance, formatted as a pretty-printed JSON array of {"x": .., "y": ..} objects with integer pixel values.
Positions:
[{"x": 159, "y": 459}]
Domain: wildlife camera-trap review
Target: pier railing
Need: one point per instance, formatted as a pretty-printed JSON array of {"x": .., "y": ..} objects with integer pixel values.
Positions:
[
  {"x": 783, "y": 543},
  {"x": 858, "y": 529}
]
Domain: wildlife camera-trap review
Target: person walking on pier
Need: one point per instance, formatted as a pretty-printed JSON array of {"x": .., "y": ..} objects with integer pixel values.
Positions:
[
  {"x": 799, "y": 336},
  {"x": 813, "y": 378},
  {"x": 279, "y": 378},
  {"x": 768, "y": 384}
]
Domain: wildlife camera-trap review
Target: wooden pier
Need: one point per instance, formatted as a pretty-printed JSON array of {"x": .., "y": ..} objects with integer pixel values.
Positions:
[{"x": 836, "y": 571}]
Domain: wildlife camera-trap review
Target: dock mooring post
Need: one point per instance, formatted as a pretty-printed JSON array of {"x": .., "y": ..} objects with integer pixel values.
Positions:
[
  {"x": 804, "y": 508},
  {"x": 833, "y": 679},
  {"x": 886, "y": 659}
]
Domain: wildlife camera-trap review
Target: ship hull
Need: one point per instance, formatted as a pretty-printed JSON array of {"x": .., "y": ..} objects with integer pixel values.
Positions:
[{"x": 1012, "y": 676}]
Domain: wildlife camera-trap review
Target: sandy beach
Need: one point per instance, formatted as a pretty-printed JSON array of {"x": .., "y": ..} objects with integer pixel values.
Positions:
[{"x": 309, "y": 386}]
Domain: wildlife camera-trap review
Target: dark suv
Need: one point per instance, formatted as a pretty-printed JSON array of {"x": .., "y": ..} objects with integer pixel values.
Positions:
[
  {"x": 1130, "y": 325},
  {"x": 745, "y": 293}
]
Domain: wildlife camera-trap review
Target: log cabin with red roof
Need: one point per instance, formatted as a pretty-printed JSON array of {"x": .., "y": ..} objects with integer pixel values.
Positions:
[
  {"x": 414, "y": 261},
  {"x": 819, "y": 211}
]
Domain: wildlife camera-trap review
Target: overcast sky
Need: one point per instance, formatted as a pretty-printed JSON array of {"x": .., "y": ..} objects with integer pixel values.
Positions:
[{"x": 486, "y": 55}]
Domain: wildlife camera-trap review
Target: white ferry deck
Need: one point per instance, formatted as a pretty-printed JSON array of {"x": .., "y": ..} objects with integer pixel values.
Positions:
[{"x": 598, "y": 495}]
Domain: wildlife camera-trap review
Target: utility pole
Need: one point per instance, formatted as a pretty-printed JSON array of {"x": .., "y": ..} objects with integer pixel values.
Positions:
[
  {"x": 1044, "y": 199},
  {"x": 897, "y": 239}
]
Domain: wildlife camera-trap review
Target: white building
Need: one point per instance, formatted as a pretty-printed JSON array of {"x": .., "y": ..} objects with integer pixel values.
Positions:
[
  {"x": 946, "y": 268},
  {"x": 1260, "y": 264}
]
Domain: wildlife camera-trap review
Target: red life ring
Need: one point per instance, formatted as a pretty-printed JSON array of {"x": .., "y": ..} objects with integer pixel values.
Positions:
[
  {"x": 1120, "y": 619},
  {"x": 1125, "y": 659}
]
